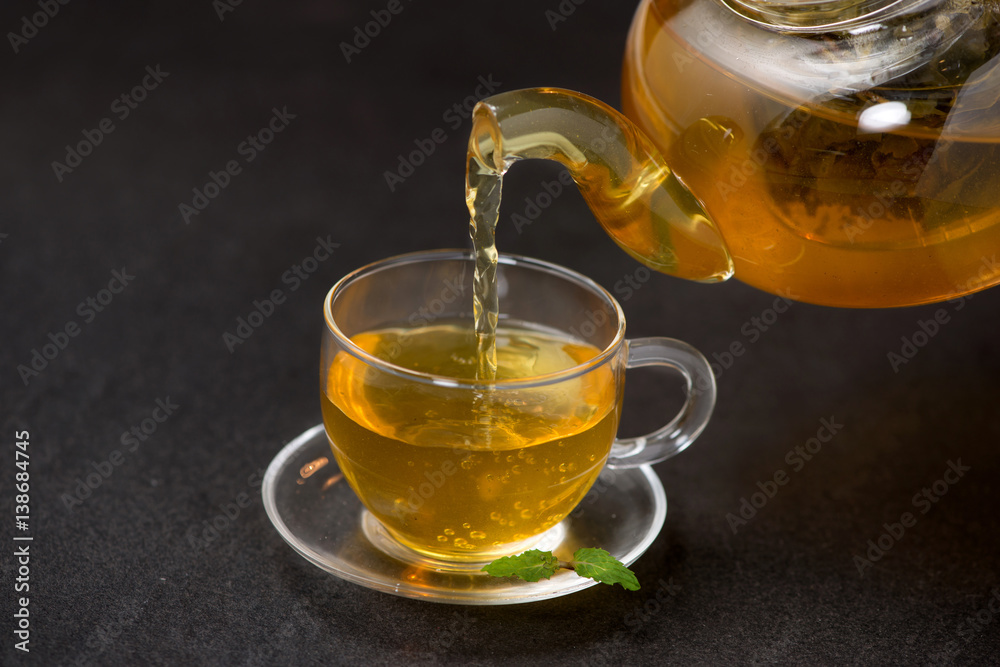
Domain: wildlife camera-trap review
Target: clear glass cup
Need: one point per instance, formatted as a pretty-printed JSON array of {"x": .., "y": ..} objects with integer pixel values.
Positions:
[{"x": 458, "y": 471}]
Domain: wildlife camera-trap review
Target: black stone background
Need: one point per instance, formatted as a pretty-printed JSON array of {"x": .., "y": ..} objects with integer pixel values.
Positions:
[{"x": 117, "y": 581}]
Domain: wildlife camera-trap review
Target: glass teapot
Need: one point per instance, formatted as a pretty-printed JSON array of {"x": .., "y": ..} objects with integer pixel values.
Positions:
[{"x": 839, "y": 152}]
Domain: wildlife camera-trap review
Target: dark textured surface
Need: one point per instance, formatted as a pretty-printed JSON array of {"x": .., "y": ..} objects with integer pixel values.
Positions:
[{"x": 119, "y": 579}]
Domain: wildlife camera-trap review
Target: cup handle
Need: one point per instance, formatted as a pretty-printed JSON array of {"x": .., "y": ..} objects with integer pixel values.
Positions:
[{"x": 688, "y": 423}]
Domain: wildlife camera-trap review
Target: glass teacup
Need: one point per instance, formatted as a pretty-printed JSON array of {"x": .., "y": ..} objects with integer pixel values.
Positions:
[{"x": 462, "y": 470}]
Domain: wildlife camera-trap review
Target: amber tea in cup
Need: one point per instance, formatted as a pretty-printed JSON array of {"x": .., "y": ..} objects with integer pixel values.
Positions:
[{"x": 459, "y": 469}]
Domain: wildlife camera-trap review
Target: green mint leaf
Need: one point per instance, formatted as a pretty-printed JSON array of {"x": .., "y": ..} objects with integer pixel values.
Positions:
[
  {"x": 601, "y": 566},
  {"x": 530, "y": 566},
  {"x": 596, "y": 564}
]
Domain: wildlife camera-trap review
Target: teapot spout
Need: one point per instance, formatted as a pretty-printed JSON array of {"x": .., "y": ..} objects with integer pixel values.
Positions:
[{"x": 622, "y": 176}]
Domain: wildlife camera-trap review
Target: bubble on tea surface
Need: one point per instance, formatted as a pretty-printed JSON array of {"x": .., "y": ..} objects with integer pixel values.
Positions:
[
  {"x": 477, "y": 535},
  {"x": 489, "y": 487},
  {"x": 462, "y": 360},
  {"x": 462, "y": 543}
]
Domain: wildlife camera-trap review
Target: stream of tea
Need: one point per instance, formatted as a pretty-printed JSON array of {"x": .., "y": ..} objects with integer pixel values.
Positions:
[
  {"x": 483, "y": 186},
  {"x": 632, "y": 192}
]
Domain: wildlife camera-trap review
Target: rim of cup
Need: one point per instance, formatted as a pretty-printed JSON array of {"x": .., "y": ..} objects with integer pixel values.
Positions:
[{"x": 466, "y": 255}]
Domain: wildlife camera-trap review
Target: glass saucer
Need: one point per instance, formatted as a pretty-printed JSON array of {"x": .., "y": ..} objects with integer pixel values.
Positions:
[{"x": 317, "y": 513}]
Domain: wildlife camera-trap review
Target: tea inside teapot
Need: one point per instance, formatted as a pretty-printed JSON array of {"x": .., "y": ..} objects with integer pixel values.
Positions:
[{"x": 842, "y": 153}]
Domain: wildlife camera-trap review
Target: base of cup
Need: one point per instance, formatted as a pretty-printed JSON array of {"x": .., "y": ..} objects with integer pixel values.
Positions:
[
  {"x": 383, "y": 540},
  {"x": 314, "y": 510}
]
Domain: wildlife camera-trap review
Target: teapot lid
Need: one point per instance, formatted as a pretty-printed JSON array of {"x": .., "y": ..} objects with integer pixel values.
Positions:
[
  {"x": 805, "y": 16},
  {"x": 819, "y": 50}
]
